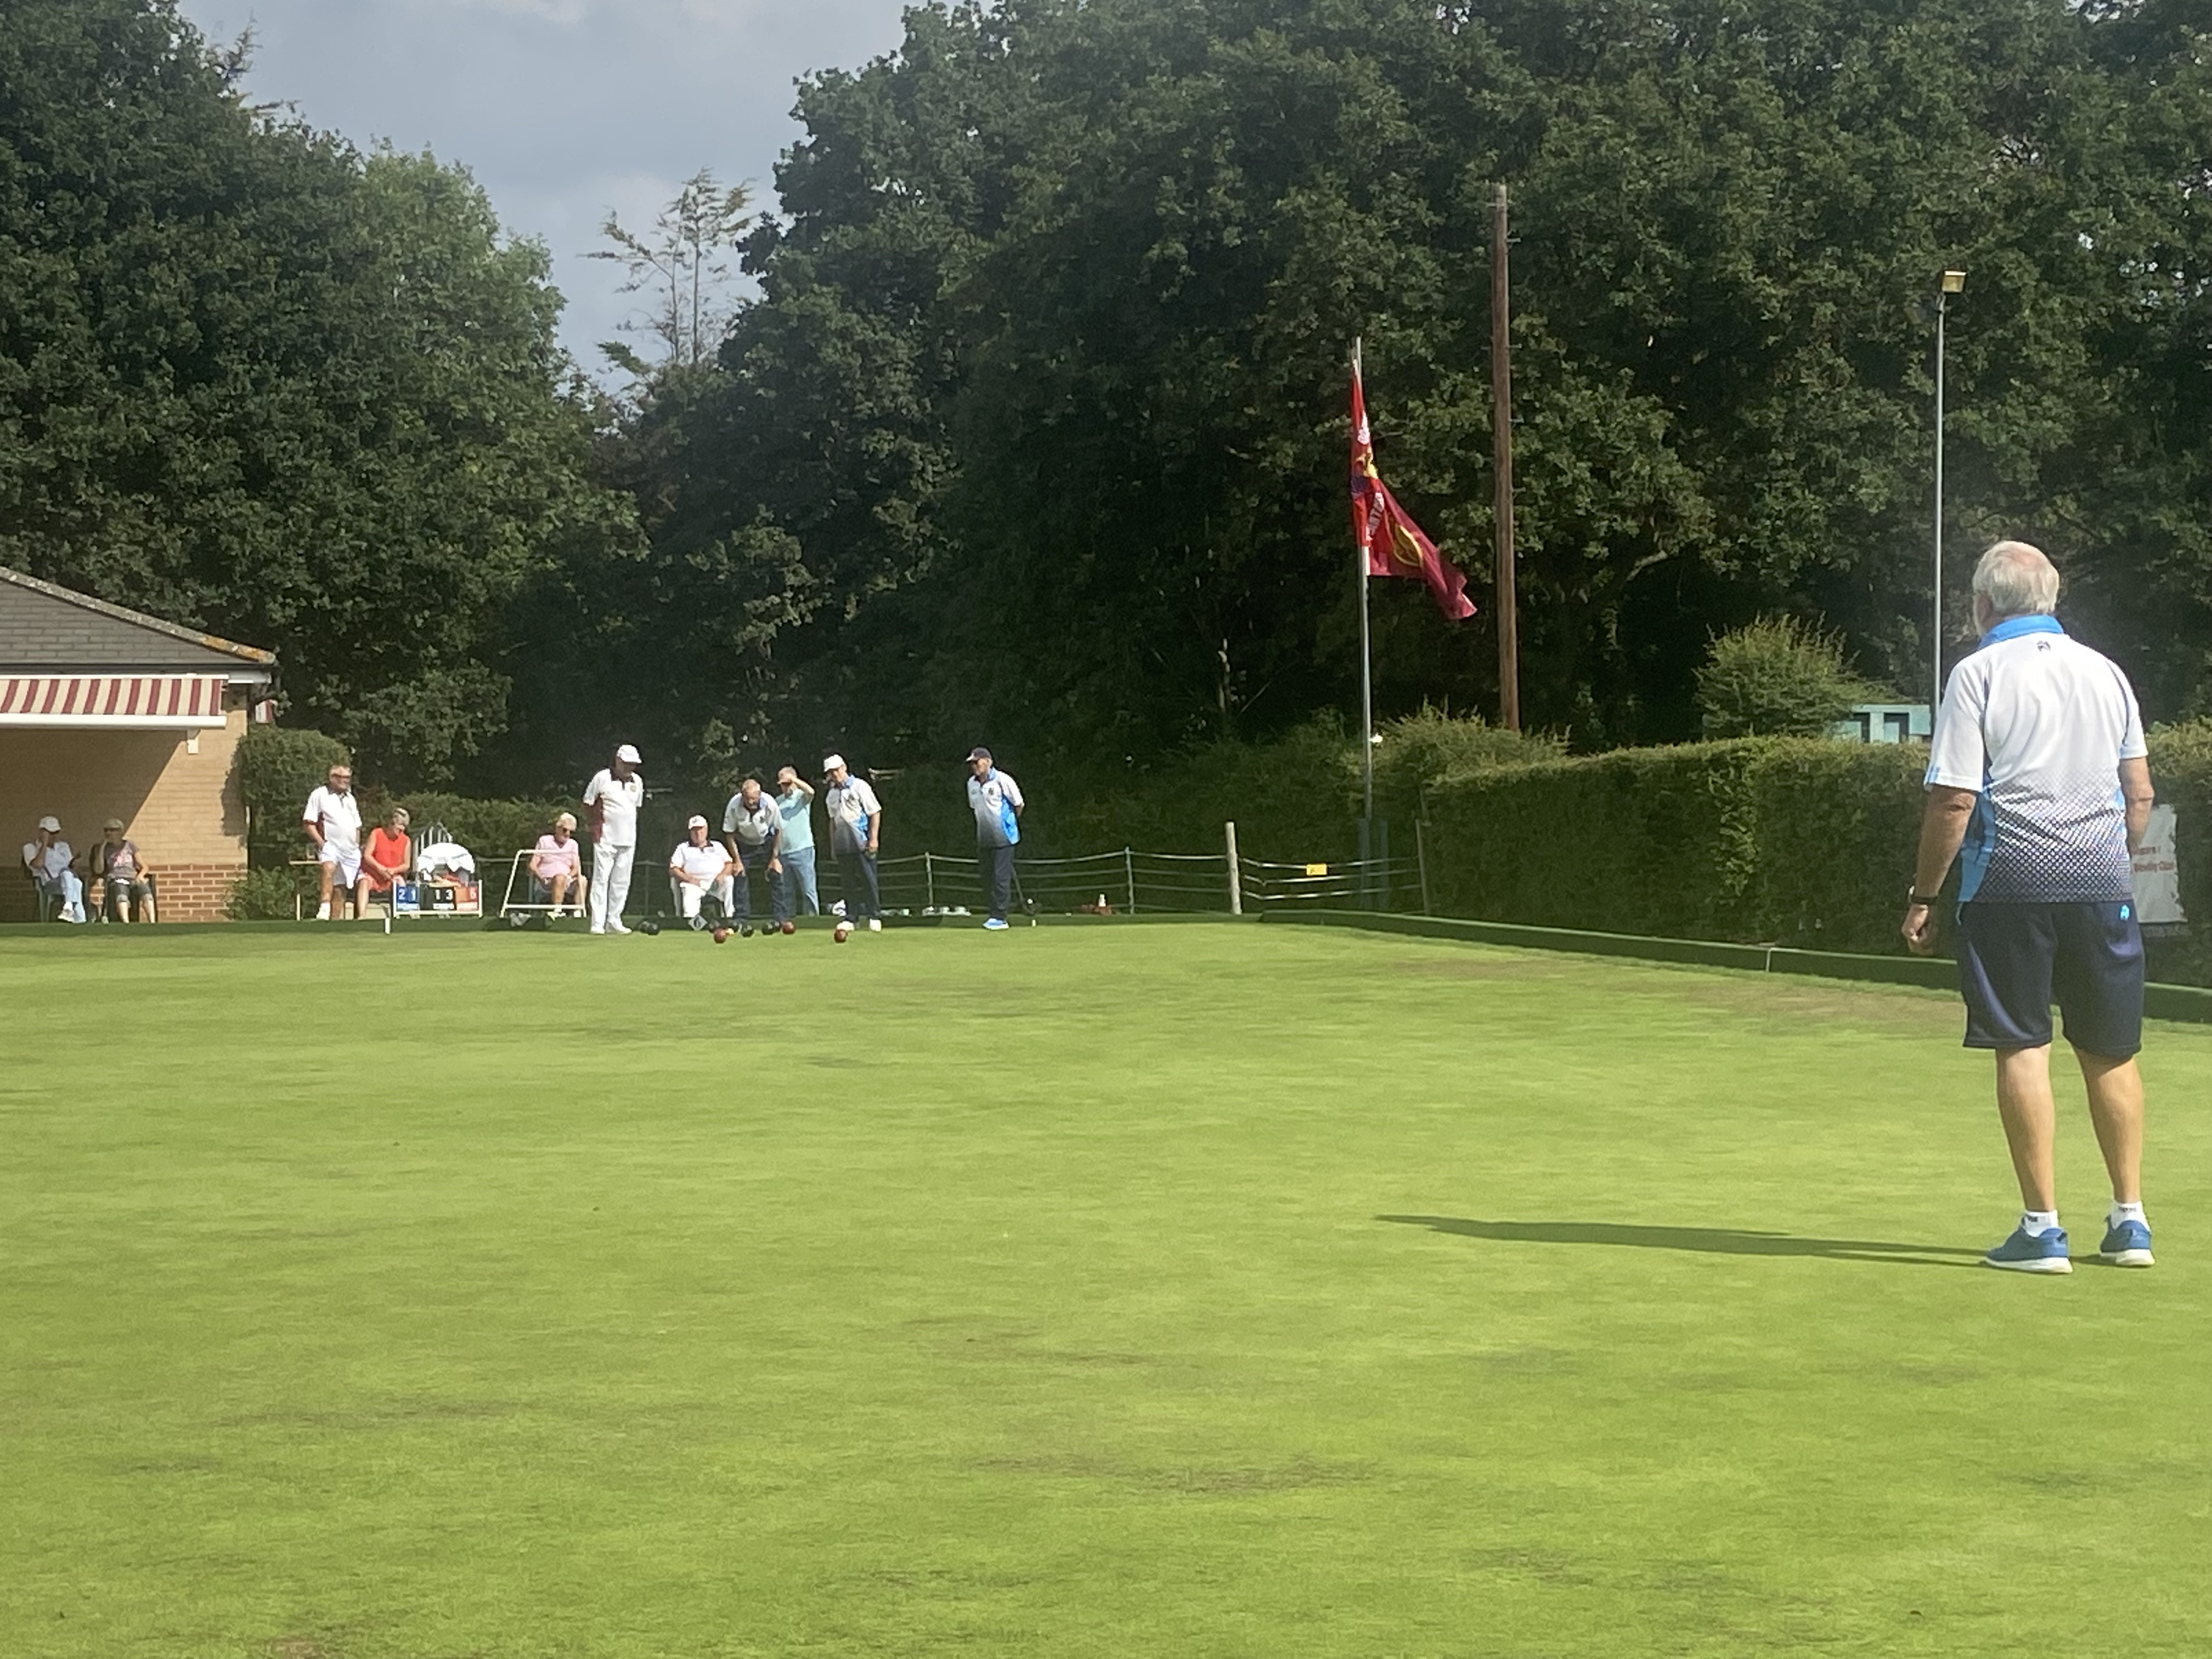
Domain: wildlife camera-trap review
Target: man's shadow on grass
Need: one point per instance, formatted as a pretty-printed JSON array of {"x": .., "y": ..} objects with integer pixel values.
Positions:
[{"x": 1704, "y": 1241}]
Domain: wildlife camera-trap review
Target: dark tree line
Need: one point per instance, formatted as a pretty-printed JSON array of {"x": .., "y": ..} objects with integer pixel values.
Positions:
[
  {"x": 1038, "y": 428},
  {"x": 1035, "y": 428}
]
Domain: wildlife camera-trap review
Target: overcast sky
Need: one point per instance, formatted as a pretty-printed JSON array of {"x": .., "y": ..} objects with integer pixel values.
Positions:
[{"x": 561, "y": 108}]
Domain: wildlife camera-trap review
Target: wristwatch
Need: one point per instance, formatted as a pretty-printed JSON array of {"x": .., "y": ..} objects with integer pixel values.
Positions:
[{"x": 1914, "y": 896}]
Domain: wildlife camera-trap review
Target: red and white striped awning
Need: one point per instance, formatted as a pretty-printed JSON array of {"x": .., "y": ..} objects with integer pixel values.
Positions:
[{"x": 112, "y": 700}]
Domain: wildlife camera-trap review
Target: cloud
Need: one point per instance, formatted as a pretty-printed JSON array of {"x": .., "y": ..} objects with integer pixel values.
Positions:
[
  {"x": 551, "y": 11},
  {"x": 561, "y": 108}
]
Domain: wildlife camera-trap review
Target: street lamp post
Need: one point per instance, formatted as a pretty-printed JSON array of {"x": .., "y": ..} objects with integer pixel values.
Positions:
[{"x": 1952, "y": 282}]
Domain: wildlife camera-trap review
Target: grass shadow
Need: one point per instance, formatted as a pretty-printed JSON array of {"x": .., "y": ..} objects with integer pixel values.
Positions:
[{"x": 1702, "y": 1240}]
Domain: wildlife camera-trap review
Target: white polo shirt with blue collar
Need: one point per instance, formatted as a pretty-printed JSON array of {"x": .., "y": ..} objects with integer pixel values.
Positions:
[
  {"x": 2037, "y": 724},
  {"x": 996, "y": 799}
]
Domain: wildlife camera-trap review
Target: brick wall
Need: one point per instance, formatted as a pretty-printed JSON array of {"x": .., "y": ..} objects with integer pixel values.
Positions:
[
  {"x": 188, "y": 892},
  {"x": 197, "y": 892},
  {"x": 178, "y": 792}
]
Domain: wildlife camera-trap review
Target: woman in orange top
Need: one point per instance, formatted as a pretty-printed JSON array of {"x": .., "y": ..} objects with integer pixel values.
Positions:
[{"x": 386, "y": 859}]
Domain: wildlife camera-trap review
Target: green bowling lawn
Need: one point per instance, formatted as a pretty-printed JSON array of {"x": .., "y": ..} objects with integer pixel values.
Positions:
[{"x": 1085, "y": 1290}]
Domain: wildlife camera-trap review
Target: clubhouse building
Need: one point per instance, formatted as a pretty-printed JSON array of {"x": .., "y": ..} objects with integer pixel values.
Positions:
[{"x": 106, "y": 712}]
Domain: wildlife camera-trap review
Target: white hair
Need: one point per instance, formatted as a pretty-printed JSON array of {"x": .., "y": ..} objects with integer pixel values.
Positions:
[{"x": 2016, "y": 579}]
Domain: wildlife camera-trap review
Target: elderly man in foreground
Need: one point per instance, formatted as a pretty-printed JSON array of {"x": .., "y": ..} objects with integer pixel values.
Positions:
[{"x": 2038, "y": 774}]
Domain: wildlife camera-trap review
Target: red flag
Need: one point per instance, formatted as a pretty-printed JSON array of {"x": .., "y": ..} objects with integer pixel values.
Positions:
[{"x": 1394, "y": 543}]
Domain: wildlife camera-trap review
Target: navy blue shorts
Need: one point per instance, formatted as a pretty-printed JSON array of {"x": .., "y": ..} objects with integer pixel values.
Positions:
[{"x": 2014, "y": 958}]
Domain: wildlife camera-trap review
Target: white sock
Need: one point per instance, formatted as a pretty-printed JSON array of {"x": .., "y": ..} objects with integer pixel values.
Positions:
[
  {"x": 322, "y": 913},
  {"x": 2036, "y": 1223},
  {"x": 2126, "y": 1213}
]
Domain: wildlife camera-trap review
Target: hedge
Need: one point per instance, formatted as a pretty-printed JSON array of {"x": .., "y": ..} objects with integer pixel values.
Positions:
[
  {"x": 494, "y": 831},
  {"x": 1639, "y": 841},
  {"x": 1784, "y": 841},
  {"x": 1802, "y": 841},
  {"x": 262, "y": 896},
  {"x": 279, "y": 766}
]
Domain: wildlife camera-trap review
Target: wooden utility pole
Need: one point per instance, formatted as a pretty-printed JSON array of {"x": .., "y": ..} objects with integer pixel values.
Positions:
[
  {"x": 1366, "y": 668},
  {"x": 1501, "y": 417}
]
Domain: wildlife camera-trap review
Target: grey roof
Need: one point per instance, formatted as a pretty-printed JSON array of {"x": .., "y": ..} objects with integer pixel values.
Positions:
[{"x": 46, "y": 627}]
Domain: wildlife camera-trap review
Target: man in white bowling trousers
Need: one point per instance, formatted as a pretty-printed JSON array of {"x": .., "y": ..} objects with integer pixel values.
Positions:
[
  {"x": 611, "y": 798},
  {"x": 699, "y": 869}
]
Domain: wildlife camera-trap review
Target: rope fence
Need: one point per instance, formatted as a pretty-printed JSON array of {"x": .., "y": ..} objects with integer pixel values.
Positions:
[
  {"x": 1127, "y": 881},
  {"x": 1133, "y": 882}
]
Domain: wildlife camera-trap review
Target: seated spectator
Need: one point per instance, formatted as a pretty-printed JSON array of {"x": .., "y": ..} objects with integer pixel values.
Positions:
[
  {"x": 698, "y": 869},
  {"x": 389, "y": 856},
  {"x": 49, "y": 860},
  {"x": 126, "y": 883},
  {"x": 556, "y": 868}
]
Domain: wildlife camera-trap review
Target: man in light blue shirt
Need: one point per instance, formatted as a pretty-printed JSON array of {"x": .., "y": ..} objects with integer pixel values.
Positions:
[
  {"x": 996, "y": 799},
  {"x": 794, "y": 799}
]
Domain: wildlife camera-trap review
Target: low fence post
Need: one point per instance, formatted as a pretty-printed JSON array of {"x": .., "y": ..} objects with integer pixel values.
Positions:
[
  {"x": 928, "y": 882},
  {"x": 1129, "y": 870},
  {"x": 1421, "y": 860},
  {"x": 1236, "y": 878}
]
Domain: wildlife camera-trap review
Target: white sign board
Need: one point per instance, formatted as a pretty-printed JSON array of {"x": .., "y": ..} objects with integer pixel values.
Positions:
[{"x": 2158, "y": 876}]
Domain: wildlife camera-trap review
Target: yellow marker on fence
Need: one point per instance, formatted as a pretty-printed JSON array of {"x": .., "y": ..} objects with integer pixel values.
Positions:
[{"x": 1317, "y": 869}]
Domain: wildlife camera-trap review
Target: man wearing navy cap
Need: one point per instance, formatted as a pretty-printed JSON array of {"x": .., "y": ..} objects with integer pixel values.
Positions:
[
  {"x": 856, "y": 835},
  {"x": 996, "y": 799}
]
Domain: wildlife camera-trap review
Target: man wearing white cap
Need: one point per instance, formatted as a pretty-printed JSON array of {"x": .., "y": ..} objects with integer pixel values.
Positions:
[
  {"x": 699, "y": 867},
  {"x": 612, "y": 797},
  {"x": 332, "y": 819},
  {"x": 856, "y": 831},
  {"x": 48, "y": 859}
]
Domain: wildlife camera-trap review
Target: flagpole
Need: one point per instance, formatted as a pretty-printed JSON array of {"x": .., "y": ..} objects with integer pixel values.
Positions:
[
  {"x": 1501, "y": 419},
  {"x": 1366, "y": 669}
]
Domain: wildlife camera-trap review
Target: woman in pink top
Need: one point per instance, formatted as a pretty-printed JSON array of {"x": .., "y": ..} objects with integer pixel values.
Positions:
[{"x": 557, "y": 865}]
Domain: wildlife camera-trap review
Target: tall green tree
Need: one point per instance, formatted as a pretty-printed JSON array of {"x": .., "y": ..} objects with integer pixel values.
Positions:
[
  {"x": 1036, "y": 425},
  {"x": 792, "y": 494},
  {"x": 259, "y": 381},
  {"x": 683, "y": 264}
]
